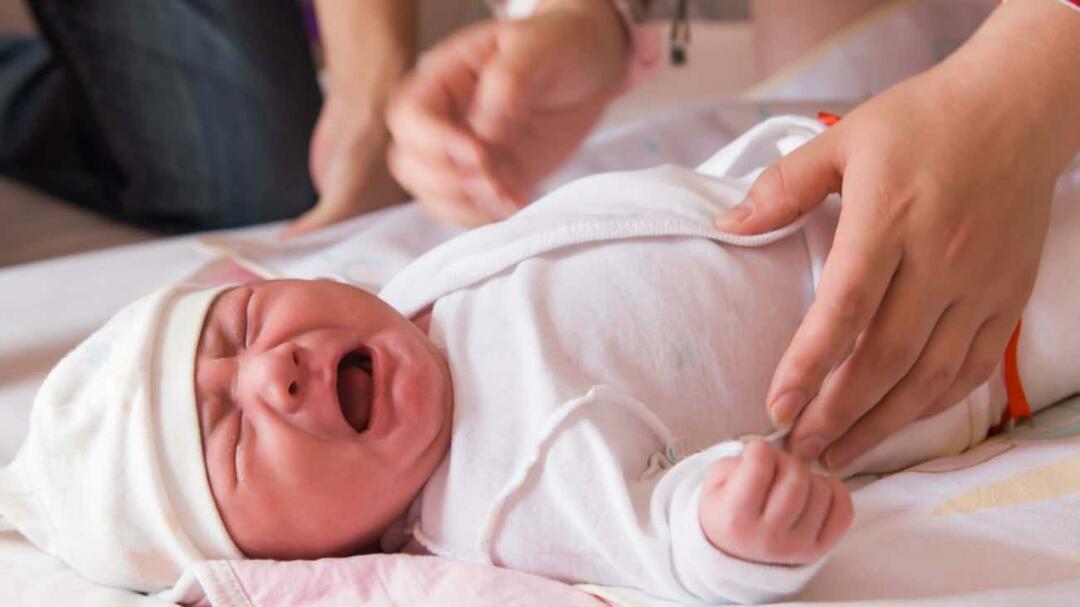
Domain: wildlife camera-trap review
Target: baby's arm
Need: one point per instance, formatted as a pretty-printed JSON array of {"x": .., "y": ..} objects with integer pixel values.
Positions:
[
  {"x": 768, "y": 507},
  {"x": 753, "y": 528},
  {"x": 608, "y": 507}
]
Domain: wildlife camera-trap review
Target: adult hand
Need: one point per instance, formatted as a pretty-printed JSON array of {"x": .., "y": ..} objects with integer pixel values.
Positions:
[
  {"x": 369, "y": 46},
  {"x": 348, "y": 164},
  {"x": 492, "y": 110},
  {"x": 946, "y": 181}
]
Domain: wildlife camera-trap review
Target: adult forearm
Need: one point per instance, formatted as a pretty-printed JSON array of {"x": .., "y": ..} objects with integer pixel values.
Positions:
[
  {"x": 639, "y": 10},
  {"x": 369, "y": 44},
  {"x": 1027, "y": 55}
]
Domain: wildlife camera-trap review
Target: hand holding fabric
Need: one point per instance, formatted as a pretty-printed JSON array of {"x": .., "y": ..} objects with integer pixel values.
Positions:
[{"x": 946, "y": 181}]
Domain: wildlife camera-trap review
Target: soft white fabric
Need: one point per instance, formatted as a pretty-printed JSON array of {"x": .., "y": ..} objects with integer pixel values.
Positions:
[
  {"x": 605, "y": 402},
  {"x": 111, "y": 478}
]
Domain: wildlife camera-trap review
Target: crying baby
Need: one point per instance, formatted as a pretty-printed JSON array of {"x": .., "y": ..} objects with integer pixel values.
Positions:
[{"x": 562, "y": 393}]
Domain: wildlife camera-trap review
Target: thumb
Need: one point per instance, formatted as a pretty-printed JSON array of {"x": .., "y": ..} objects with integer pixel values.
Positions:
[
  {"x": 325, "y": 212},
  {"x": 345, "y": 180},
  {"x": 353, "y": 188},
  {"x": 793, "y": 186},
  {"x": 502, "y": 98},
  {"x": 337, "y": 201}
]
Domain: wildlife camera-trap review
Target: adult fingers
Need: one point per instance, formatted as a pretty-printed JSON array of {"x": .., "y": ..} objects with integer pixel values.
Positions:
[
  {"x": 983, "y": 357},
  {"x": 498, "y": 116},
  {"x": 478, "y": 174},
  {"x": 427, "y": 115},
  {"x": 465, "y": 199},
  {"x": 445, "y": 80},
  {"x": 433, "y": 135},
  {"x": 454, "y": 213},
  {"x": 789, "y": 188},
  {"x": 340, "y": 200},
  {"x": 935, "y": 370},
  {"x": 319, "y": 216},
  {"x": 515, "y": 93},
  {"x": 854, "y": 280},
  {"x": 502, "y": 89},
  {"x": 885, "y": 353}
]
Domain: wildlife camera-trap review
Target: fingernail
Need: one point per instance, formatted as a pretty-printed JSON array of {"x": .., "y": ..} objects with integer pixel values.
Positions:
[
  {"x": 833, "y": 460},
  {"x": 509, "y": 204},
  {"x": 483, "y": 201},
  {"x": 733, "y": 217},
  {"x": 785, "y": 408},
  {"x": 810, "y": 448}
]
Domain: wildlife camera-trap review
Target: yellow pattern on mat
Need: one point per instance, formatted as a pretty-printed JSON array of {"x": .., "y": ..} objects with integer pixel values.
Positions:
[{"x": 1057, "y": 479}]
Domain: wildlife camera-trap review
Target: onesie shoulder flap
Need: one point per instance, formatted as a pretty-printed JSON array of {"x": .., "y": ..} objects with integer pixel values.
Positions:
[{"x": 666, "y": 201}]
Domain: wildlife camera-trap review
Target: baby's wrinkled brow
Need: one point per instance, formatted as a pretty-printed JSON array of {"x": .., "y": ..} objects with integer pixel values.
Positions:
[{"x": 216, "y": 316}]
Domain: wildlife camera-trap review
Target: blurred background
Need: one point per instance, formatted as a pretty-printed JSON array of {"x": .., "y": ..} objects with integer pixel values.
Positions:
[
  {"x": 846, "y": 53},
  {"x": 34, "y": 226}
]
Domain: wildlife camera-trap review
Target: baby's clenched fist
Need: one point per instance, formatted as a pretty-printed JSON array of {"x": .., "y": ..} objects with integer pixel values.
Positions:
[{"x": 768, "y": 507}]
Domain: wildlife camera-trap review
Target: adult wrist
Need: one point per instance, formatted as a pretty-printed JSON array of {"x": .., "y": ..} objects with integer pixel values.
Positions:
[
  {"x": 614, "y": 40},
  {"x": 603, "y": 13},
  {"x": 365, "y": 82},
  {"x": 369, "y": 47},
  {"x": 1022, "y": 61}
]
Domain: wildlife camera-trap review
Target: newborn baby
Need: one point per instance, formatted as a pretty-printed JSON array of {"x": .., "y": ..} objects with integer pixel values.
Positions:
[{"x": 561, "y": 393}]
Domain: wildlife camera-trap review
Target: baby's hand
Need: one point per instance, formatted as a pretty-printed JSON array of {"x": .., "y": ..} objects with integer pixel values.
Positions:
[{"x": 768, "y": 507}]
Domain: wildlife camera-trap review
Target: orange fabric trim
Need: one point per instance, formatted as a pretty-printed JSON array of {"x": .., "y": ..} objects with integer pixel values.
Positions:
[
  {"x": 1018, "y": 407},
  {"x": 827, "y": 119}
]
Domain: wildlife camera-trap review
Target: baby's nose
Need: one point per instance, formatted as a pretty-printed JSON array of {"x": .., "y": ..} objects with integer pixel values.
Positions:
[{"x": 274, "y": 376}]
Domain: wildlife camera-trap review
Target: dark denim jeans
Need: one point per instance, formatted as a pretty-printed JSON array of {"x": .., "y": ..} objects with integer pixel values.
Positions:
[{"x": 171, "y": 114}]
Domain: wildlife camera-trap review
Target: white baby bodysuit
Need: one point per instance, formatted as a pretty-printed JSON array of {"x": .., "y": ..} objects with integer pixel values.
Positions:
[{"x": 604, "y": 344}]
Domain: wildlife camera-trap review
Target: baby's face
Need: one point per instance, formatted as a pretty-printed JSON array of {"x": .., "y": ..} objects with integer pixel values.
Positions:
[{"x": 322, "y": 410}]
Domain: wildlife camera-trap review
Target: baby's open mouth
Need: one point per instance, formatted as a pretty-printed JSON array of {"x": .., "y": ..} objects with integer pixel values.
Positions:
[{"x": 355, "y": 388}]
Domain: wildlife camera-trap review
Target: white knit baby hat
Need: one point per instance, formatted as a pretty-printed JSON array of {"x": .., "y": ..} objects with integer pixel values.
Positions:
[{"x": 111, "y": 478}]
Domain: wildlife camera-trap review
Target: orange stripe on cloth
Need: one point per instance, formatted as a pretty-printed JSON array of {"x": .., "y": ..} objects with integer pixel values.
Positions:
[
  {"x": 827, "y": 118},
  {"x": 1017, "y": 406}
]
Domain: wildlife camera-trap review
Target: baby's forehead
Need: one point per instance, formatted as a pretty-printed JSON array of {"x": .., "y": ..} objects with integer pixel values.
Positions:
[
  {"x": 220, "y": 305},
  {"x": 232, "y": 307}
]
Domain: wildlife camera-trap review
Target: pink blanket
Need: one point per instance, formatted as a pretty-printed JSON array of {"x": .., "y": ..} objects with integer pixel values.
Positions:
[{"x": 372, "y": 580}]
